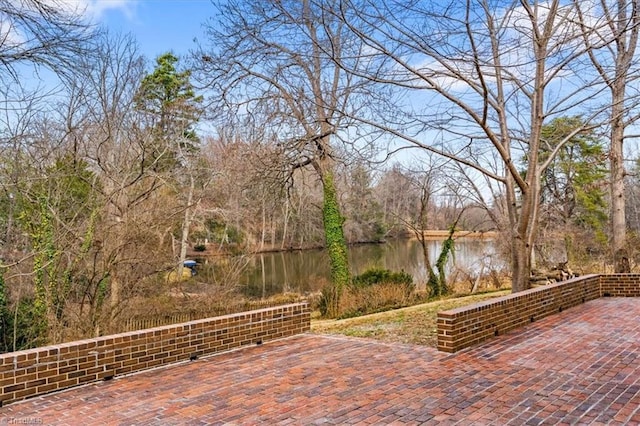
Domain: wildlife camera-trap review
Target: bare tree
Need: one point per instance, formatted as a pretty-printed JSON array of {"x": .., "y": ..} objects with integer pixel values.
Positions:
[
  {"x": 35, "y": 36},
  {"x": 425, "y": 188},
  {"x": 135, "y": 218},
  {"x": 610, "y": 31},
  {"x": 363, "y": 213},
  {"x": 42, "y": 33},
  {"x": 271, "y": 62},
  {"x": 483, "y": 78}
]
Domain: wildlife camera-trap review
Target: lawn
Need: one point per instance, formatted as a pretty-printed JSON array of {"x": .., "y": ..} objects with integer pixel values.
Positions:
[{"x": 414, "y": 324}]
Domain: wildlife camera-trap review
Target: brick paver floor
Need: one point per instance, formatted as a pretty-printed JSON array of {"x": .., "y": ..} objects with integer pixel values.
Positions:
[{"x": 578, "y": 367}]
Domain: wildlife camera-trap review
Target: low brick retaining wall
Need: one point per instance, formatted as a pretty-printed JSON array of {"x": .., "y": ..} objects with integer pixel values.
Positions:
[
  {"x": 620, "y": 285},
  {"x": 466, "y": 326},
  {"x": 37, "y": 371}
]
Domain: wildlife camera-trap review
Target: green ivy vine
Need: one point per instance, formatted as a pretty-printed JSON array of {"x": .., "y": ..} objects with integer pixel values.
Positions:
[{"x": 336, "y": 244}]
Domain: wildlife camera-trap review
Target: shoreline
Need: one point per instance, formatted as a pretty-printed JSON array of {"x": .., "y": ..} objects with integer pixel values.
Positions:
[
  {"x": 436, "y": 234},
  {"x": 429, "y": 234}
]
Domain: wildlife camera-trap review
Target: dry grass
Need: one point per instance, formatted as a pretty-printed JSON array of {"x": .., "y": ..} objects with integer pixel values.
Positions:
[
  {"x": 415, "y": 324},
  {"x": 356, "y": 301}
]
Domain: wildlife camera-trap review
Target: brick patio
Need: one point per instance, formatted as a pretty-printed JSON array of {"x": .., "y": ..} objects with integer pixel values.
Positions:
[{"x": 578, "y": 367}]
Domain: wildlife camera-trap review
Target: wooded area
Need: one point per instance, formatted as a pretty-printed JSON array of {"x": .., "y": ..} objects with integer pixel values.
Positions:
[{"x": 307, "y": 123}]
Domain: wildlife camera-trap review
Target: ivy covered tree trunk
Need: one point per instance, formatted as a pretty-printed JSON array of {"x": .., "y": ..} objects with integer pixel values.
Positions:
[
  {"x": 43, "y": 271},
  {"x": 336, "y": 244},
  {"x": 441, "y": 262}
]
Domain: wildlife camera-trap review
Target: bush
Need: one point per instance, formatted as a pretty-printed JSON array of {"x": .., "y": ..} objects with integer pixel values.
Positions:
[
  {"x": 380, "y": 276},
  {"x": 22, "y": 319},
  {"x": 329, "y": 302},
  {"x": 199, "y": 247},
  {"x": 374, "y": 290},
  {"x": 358, "y": 301}
]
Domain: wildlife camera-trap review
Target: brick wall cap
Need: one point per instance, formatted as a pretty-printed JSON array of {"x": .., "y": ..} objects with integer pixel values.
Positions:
[
  {"x": 514, "y": 296},
  {"x": 149, "y": 331}
]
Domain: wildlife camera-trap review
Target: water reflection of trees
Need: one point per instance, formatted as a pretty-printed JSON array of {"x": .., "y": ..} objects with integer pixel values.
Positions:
[{"x": 307, "y": 271}]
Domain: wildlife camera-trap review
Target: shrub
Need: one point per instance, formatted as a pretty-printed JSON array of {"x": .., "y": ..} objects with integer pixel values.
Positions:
[
  {"x": 358, "y": 301},
  {"x": 329, "y": 301},
  {"x": 374, "y": 290},
  {"x": 21, "y": 327},
  {"x": 378, "y": 276}
]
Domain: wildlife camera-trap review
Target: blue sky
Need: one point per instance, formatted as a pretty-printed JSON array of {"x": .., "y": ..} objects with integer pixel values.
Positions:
[{"x": 158, "y": 25}]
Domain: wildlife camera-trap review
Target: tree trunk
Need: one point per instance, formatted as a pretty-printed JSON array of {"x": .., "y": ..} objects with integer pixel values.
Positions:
[
  {"x": 272, "y": 226},
  {"x": 285, "y": 224},
  {"x": 523, "y": 236},
  {"x": 618, "y": 219},
  {"x": 425, "y": 255},
  {"x": 263, "y": 233},
  {"x": 521, "y": 258},
  {"x": 476, "y": 283},
  {"x": 334, "y": 234},
  {"x": 115, "y": 294},
  {"x": 184, "y": 239},
  {"x": 264, "y": 275}
]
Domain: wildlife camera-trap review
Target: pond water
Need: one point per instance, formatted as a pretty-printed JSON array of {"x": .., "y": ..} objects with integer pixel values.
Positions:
[{"x": 307, "y": 271}]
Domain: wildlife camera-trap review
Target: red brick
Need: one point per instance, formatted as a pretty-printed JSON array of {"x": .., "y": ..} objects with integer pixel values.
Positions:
[{"x": 562, "y": 369}]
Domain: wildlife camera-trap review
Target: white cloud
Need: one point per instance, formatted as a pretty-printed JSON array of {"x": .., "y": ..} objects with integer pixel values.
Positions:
[
  {"x": 94, "y": 10},
  {"x": 12, "y": 35}
]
